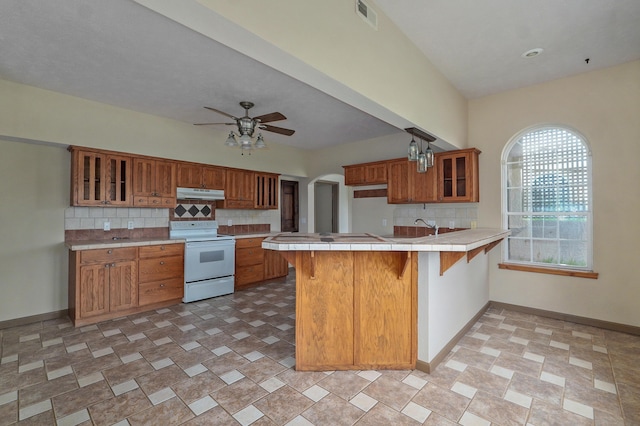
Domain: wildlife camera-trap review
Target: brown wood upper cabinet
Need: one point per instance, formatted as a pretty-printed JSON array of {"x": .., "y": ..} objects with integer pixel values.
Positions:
[
  {"x": 266, "y": 191},
  {"x": 405, "y": 185},
  {"x": 239, "y": 190},
  {"x": 115, "y": 179},
  {"x": 453, "y": 178},
  {"x": 199, "y": 176},
  {"x": 458, "y": 176},
  {"x": 366, "y": 174},
  {"x": 100, "y": 179},
  {"x": 154, "y": 182}
]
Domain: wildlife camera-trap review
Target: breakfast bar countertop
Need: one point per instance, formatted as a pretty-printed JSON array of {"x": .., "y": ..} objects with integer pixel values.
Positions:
[{"x": 466, "y": 240}]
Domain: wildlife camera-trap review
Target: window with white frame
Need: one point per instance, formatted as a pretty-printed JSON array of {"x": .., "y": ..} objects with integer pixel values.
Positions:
[{"x": 547, "y": 199}]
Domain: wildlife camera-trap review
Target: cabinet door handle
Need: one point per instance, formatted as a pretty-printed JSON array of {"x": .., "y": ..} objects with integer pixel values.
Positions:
[
  {"x": 161, "y": 247},
  {"x": 161, "y": 285},
  {"x": 113, "y": 265},
  {"x": 109, "y": 251},
  {"x": 107, "y": 265},
  {"x": 162, "y": 262}
]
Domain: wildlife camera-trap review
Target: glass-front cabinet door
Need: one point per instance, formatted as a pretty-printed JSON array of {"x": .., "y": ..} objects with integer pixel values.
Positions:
[
  {"x": 458, "y": 176},
  {"x": 100, "y": 179}
]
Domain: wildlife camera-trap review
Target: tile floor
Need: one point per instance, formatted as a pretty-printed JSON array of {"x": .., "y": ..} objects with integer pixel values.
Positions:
[{"x": 229, "y": 361}]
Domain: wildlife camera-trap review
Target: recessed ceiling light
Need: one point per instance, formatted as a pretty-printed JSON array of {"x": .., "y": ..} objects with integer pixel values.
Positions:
[{"x": 532, "y": 53}]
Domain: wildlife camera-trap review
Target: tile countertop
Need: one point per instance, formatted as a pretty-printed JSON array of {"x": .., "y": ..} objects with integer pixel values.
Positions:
[
  {"x": 452, "y": 241},
  {"x": 123, "y": 242}
]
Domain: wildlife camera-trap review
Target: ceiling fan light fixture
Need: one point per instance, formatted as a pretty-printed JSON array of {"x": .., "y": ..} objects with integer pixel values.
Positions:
[
  {"x": 260, "y": 142},
  {"x": 245, "y": 139},
  {"x": 231, "y": 140}
]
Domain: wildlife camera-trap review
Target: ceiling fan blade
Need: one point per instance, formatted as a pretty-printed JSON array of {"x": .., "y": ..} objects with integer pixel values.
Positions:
[
  {"x": 221, "y": 112},
  {"x": 274, "y": 129},
  {"x": 210, "y": 124},
  {"x": 268, "y": 118}
]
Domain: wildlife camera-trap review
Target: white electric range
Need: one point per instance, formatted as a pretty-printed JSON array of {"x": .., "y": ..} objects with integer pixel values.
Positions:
[{"x": 209, "y": 259}]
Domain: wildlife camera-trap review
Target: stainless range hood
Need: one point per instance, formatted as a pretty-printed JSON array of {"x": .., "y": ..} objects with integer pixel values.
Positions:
[{"x": 199, "y": 194}]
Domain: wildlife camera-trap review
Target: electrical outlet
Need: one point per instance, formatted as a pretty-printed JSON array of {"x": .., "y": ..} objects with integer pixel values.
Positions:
[
  {"x": 130, "y": 224},
  {"x": 229, "y": 222},
  {"x": 106, "y": 226},
  {"x": 452, "y": 224},
  {"x": 431, "y": 223},
  {"x": 474, "y": 224},
  {"x": 384, "y": 223}
]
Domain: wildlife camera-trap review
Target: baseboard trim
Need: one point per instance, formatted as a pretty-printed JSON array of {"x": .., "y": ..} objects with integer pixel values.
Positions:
[
  {"x": 607, "y": 325},
  {"x": 34, "y": 318},
  {"x": 428, "y": 367}
]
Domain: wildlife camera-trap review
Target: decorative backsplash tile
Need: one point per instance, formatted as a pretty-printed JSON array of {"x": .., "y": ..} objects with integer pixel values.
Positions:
[{"x": 193, "y": 211}]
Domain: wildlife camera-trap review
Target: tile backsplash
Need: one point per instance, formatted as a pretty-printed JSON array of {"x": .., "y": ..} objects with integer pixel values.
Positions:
[
  {"x": 150, "y": 219},
  {"x": 249, "y": 217},
  {"x": 118, "y": 217},
  {"x": 462, "y": 215}
]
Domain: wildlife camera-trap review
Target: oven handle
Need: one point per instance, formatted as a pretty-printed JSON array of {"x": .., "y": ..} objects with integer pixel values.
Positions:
[{"x": 210, "y": 244}]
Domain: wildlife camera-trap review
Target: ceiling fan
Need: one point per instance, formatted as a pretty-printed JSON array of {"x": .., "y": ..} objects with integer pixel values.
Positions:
[{"x": 247, "y": 125}]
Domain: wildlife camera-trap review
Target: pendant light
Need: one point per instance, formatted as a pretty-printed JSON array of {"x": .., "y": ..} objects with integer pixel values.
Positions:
[
  {"x": 422, "y": 160},
  {"x": 429, "y": 155},
  {"x": 413, "y": 150}
]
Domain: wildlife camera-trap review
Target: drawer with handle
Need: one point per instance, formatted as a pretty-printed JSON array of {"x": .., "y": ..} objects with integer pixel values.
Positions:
[
  {"x": 108, "y": 255},
  {"x": 161, "y": 250},
  {"x": 159, "y": 291},
  {"x": 160, "y": 268}
]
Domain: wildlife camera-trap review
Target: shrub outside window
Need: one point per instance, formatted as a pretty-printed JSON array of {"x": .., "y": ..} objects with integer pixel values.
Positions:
[{"x": 547, "y": 199}]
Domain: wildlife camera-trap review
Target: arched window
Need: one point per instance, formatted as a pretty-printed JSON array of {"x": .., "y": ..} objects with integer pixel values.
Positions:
[{"x": 547, "y": 199}]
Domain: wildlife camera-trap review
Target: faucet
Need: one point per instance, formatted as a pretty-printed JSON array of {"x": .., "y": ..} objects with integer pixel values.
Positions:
[{"x": 427, "y": 225}]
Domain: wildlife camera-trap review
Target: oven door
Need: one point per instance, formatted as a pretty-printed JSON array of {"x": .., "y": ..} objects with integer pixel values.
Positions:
[{"x": 209, "y": 259}]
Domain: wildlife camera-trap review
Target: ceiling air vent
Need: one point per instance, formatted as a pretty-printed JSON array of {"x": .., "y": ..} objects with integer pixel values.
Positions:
[{"x": 367, "y": 13}]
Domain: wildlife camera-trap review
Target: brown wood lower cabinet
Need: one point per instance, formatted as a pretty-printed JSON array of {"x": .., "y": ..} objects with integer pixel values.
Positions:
[
  {"x": 161, "y": 273},
  {"x": 109, "y": 283},
  {"x": 355, "y": 310},
  {"x": 254, "y": 264}
]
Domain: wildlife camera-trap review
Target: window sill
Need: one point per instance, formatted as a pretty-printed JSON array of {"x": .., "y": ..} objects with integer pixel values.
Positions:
[{"x": 552, "y": 271}]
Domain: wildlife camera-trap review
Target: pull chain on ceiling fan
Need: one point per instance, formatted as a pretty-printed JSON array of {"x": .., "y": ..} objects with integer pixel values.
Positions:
[{"x": 247, "y": 127}]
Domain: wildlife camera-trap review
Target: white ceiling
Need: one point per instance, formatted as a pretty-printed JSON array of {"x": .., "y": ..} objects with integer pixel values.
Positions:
[
  {"x": 121, "y": 53},
  {"x": 477, "y": 44}
]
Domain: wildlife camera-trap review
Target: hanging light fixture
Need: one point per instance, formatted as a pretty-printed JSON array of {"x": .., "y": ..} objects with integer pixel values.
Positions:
[
  {"x": 424, "y": 158},
  {"x": 413, "y": 150},
  {"x": 429, "y": 155}
]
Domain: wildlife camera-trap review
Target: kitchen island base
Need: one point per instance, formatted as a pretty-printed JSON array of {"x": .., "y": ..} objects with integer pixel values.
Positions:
[{"x": 355, "y": 310}]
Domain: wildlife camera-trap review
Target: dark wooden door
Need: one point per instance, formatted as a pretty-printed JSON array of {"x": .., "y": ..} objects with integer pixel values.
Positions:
[{"x": 289, "y": 207}]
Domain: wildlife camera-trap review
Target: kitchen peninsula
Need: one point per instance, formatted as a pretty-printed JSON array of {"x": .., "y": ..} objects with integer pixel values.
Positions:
[{"x": 370, "y": 302}]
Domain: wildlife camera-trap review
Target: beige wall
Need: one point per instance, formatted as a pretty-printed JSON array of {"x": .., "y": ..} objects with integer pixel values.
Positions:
[
  {"x": 604, "y": 106},
  {"x": 34, "y": 184}
]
